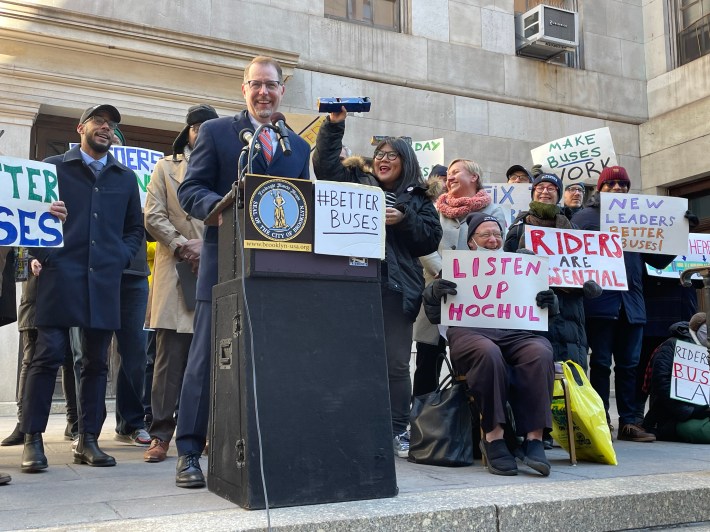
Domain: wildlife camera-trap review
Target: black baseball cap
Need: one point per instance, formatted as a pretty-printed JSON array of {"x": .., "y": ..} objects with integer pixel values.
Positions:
[{"x": 110, "y": 109}]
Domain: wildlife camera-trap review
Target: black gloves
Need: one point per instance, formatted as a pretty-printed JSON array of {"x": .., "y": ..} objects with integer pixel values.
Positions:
[
  {"x": 536, "y": 170},
  {"x": 441, "y": 288},
  {"x": 548, "y": 299},
  {"x": 591, "y": 289},
  {"x": 693, "y": 221},
  {"x": 433, "y": 295}
]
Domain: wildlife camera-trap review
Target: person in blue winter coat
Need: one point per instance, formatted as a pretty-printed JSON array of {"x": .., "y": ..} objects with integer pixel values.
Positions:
[{"x": 615, "y": 319}]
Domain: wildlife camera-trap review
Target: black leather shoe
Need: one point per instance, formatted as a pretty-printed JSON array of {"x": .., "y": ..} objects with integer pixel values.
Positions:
[
  {"x": 16, "y": 438},
  {"x": 4, "y": 478},
  {"x": 189, "y": 474},
  {"x": 33, "y": 458},
  {"x": 72, "y": 431},
  {"x": 87, "y": 452}
]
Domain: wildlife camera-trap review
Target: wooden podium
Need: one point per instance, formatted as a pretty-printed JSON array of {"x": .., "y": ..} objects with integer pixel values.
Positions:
[{"x": 299, "y": 376}]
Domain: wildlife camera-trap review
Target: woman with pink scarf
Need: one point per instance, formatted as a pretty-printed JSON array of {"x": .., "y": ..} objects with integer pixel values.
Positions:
[{"x": 464, "y": 195}]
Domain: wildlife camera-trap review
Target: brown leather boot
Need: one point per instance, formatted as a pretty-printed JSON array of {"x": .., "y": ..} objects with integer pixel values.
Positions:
[{"x": 157, "y": 452}]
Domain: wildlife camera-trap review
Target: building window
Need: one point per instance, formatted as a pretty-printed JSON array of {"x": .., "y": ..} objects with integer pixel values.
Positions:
[
  {"x": 698, "y": 194},
  {"x": 383, "y": 14},
  {"x": 521, "y": 6},
  {"x": 693, "y": 23}
]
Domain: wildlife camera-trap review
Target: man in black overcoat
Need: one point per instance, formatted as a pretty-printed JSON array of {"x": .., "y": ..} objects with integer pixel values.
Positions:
[{"x": 79, "y": 284}]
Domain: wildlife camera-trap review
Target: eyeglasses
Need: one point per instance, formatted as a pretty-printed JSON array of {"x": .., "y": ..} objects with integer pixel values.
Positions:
[
  {"x": 270, "y": 85},
  {"x": 518, "y": 178},
  {"x": 575, "y": 190},
  {"x": 543, "y": 188},
  {"x": 100, "y": 121},
  {"x": 486, "y": 236},
  {"x": 391, "y": 155},
  {"x": 195, "y": 127},
  {"x": 620, "y": 184}
]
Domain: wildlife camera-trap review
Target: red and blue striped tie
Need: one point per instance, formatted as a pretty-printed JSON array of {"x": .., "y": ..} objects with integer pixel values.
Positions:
[{"x": 265, "y": 141}]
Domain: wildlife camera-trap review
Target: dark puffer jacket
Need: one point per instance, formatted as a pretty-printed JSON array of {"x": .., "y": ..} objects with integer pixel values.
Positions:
[
  {"x": 609, "y": 304},
  {"x": 664, "y": 413},
  {"x": 566, "y": 330},
  {"x": 416, "y": 235}
]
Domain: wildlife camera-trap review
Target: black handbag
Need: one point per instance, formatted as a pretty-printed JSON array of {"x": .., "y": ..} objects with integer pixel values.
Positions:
[{"x": 440, "y": 426}]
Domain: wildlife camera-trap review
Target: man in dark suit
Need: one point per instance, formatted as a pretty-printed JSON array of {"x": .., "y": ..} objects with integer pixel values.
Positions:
[
  {"x": 210, "y": 175},
  {"x": 79, "y": 284}
]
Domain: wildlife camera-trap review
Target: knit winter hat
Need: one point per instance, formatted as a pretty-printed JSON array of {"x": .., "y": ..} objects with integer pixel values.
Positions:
[
  {"x": 477, "y": 218},
  {"x": 613, "y": 173},
  {"x": 699, "y": 328},
  {"x": 548, "y": 178}
]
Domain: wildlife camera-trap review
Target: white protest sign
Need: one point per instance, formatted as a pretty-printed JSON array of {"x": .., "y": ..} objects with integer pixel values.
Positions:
[
  {"x": 647, "y": 224},
  {"x": 577, "y": 158},
  {"x": 140, "y": 160},
  {"x": 349, "y": 220},
  {"x": 691, "y": 374},
  {"x": 511, "y": 197},
  {"x": 27, "y": 188},
  {"x": 429, "y": 153},
  {"x": 696, "y": 256},
  {"x": 494, "y": 290},
  {"x": 577, "y": 256}
]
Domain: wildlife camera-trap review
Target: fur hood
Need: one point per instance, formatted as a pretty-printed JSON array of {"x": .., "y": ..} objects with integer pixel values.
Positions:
[{"x": 358, "y": 161}]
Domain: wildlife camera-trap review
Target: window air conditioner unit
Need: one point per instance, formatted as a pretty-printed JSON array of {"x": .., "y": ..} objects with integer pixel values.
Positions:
[{"x": 545, "y": 31}]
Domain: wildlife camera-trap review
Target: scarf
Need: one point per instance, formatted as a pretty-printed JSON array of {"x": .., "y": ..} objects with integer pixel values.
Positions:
[
  {"x": 546, "y": 215},
  {"x": 457, "y": 208}
]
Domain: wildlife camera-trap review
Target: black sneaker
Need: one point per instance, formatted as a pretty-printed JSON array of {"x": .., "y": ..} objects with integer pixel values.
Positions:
[
  {"x": 535, "y": 458},
  {"x": 498, "y": 458}
]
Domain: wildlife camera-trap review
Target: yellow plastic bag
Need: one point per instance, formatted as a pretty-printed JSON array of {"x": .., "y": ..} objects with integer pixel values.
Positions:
[{"x": 591, "y": 432}]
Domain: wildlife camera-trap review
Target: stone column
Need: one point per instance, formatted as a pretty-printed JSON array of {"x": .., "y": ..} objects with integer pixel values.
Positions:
[{"x": 16, "y": 119}]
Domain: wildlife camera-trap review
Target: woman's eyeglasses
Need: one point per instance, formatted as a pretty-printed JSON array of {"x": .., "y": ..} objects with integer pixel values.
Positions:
[{"x": 391, "y": 155}]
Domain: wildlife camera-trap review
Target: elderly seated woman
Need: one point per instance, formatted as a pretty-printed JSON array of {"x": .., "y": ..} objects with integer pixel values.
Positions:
[{"x": 502, "y": 366}]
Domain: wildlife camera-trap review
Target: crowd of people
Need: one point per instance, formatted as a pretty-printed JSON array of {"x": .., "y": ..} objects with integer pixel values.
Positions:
[{"x": 102, "y": 269}]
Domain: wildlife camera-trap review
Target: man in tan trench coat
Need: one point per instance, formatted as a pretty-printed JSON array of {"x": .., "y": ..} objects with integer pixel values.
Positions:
[{"x": 179, "y": 239}]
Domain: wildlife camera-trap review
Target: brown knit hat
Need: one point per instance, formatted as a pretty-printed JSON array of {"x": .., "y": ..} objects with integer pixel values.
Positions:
[{"x": 698, "y": 328}]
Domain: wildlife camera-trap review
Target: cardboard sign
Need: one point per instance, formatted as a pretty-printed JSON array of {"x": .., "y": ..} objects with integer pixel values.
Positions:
[
  {"x": 697, "y": 256},
  {"x": 577, "y": 158},
  {"x": 495, "y": 290},
  {"x": 577, "y": 256},
  {"x": 310, "y": 132},
  {"x": 140, "y": 160},
  {"x": 27, "y": 188},
  {"x": 349, "y": 220},
  {"x": 513, "y": 198},
  {"x": 690, "y": 381},
  {"x": 647, "y": 224},
  {"x": 429, "y": 153},
  {"x": 278, "y": 212}
]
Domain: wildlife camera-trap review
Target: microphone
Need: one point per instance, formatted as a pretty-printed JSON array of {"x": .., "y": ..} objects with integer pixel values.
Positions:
[
  {"x": 246, "y": 136},
  {"x": 279, "y": 122}
]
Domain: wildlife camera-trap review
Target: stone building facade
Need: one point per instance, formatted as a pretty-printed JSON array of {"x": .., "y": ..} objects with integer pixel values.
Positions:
[{"x": 432, "y": 68}]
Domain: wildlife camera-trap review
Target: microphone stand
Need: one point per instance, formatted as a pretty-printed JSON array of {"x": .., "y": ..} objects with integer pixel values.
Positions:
[{"x": 247, "y": 155}]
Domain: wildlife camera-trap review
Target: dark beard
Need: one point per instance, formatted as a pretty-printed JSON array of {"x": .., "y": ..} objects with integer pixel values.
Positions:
[{"x": 98, "y": 148}]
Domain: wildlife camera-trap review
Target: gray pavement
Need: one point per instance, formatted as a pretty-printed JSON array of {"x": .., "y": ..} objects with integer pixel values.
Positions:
[{"x": 655, "y": 484}]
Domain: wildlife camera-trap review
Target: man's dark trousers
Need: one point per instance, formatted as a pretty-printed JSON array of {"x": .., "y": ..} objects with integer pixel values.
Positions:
[{"x": 52, "y": 344}]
